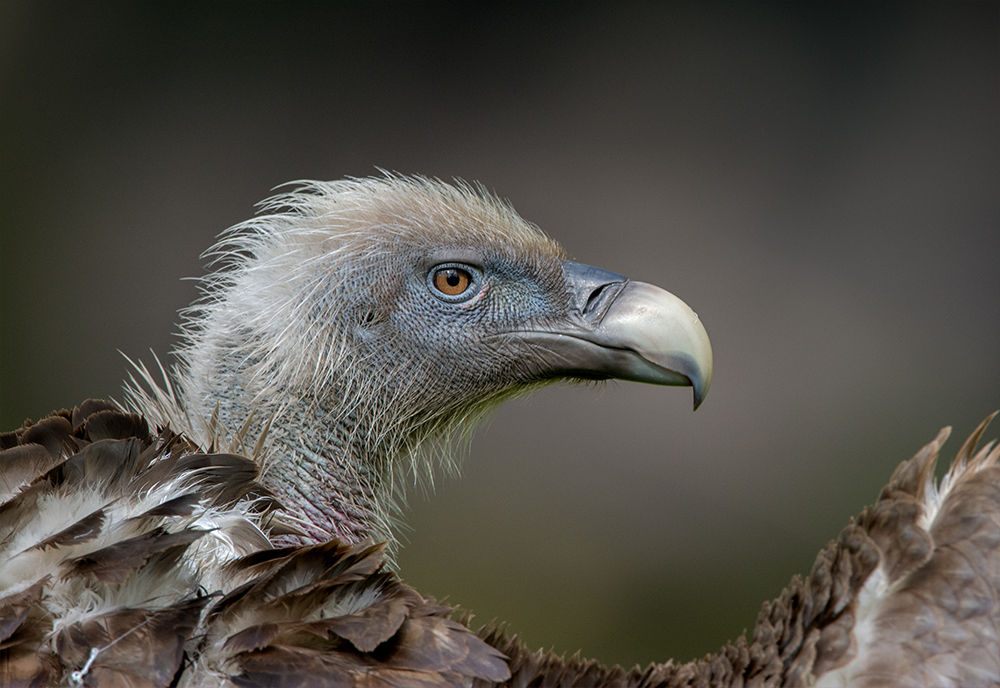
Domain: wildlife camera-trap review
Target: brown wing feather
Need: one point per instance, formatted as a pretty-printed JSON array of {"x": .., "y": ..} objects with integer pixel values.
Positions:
[
  {"x": 371, "y": 627},
  {"x": 84, "y": 530},
  {"x": 55, "y": 433},
  {"x": 22, "y": 633},
  {"x": 110, "y": 424},
  {"x": 130, "y": 648},
  {"x": 22, "y": 464},
  {"x": 114, "y": 563}
]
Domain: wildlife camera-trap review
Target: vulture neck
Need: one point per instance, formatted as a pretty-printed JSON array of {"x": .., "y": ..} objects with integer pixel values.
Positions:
[
  {"x": 331, "y": 472},
  {"x": 324, "y": 476}
]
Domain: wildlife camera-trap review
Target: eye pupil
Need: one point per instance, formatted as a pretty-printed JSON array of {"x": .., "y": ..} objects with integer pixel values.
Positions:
[{"x": 452, "y": 281}]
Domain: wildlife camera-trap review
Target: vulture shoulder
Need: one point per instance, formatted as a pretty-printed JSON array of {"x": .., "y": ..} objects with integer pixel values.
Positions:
[
  {"x": 105, "y": 531},
  {"x": 907, "y": 596}
]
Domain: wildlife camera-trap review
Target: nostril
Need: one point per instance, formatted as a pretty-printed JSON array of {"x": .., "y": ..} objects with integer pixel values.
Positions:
[
  {"x": 591, "y": 289},
  {"x": 593, "y": 299}
]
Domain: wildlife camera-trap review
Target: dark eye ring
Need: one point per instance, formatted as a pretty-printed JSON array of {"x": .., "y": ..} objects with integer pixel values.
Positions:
[{"x": 453, "y": 282}]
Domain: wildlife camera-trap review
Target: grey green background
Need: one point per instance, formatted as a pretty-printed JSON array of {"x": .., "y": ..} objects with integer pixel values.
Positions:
[{"x": 821, "y": 181}]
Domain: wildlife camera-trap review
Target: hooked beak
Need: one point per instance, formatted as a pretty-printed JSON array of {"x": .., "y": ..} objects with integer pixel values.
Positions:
[{"x": 617, "y": 328}]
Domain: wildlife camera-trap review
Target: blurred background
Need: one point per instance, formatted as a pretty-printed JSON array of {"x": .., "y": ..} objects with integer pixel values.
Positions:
[{"x": 821, "y": 182}]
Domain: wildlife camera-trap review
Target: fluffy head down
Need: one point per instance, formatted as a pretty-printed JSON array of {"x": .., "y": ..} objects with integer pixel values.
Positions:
[
  {"x": 327, "y": 263},
  {"x": 320, "y": 322}
]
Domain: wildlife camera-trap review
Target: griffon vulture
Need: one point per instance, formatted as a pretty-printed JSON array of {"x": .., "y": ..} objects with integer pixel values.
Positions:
[{"x": 231, "y": 527}]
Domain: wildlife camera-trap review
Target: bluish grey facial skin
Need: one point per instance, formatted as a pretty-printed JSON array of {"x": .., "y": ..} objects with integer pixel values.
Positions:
[
  {"x": 551, "y": 319},
  {"x": 617, "y": 328}
]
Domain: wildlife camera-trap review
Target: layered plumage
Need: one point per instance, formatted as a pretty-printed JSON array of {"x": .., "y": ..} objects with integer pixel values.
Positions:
[
  {"x": 232, "y": 528},
  {"x": 106, "y": 582},
  {"x": 109, "y": 540}
]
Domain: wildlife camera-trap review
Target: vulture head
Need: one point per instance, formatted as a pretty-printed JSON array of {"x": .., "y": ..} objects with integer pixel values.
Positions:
[{"x": 356, "y": 322}]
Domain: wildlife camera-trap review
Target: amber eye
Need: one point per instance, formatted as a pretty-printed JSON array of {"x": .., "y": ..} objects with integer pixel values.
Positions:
[{"x": 451, "y": 281}]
